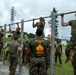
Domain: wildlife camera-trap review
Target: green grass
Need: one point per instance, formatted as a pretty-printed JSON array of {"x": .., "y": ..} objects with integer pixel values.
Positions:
[
  {"x": 65, "y": 69},
  {"x": 64, "y": 46},
  {"x": 8, "y": 39}
]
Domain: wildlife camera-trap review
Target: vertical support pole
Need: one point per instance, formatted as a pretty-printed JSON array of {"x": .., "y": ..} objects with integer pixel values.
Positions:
[
  {"x": 52, "y": 44},
  {"x": 21, "y": 53},
  {"x": 4, "y": 40}
]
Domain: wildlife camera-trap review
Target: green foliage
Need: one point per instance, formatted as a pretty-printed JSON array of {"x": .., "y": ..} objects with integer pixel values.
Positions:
[{"x": 31, "y": 35}]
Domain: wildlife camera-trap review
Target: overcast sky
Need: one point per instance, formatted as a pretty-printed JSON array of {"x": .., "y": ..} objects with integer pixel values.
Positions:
[{"x": 29, "y": 9}]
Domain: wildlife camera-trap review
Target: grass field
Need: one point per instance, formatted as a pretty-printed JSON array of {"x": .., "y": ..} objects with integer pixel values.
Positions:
[{"x": 65, "y": 69}]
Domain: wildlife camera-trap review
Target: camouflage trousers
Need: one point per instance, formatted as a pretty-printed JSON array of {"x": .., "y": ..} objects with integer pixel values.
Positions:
[
  {"x": 74, "y": 65},
  {"x": 71, "y": 45},
  {"x": 48, "y": 61},
  {"x": 13, "y": 59},
  {"x": 58, "y": 57},
  {"x": 1, "y": 46},
  {"x": 37, "y": 66}
]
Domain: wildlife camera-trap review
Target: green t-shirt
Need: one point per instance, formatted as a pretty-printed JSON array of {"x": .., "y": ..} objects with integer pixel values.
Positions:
[
  {"x": 1, "y": 36},
  {"x": 38, "y": 47},
  {"x": 73, "y": 27},
  {"x": 59, "y": 49},
  {"x": 13, "y": 47},
  {"x": 38, "y": 24},
  {"x": 25, "y": 42},
  {"x": 18, "y": 34},
  {"x": 49, "y": 43}
]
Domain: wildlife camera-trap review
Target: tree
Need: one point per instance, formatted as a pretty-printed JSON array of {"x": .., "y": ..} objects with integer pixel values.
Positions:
[{"x": 31, "y": 35}]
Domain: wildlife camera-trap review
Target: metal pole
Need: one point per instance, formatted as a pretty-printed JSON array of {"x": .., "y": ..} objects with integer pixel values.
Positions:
[
  {"x": 37, "y": 18},
  {"x": 67, "y": 13},
  {"x": 28, "y": 20},
  {"x": 4, "y": 42},
  {"x": 44, "y": 17},
  {"x": 52, "y": 44},
  {"x": 21, "y": 53}
]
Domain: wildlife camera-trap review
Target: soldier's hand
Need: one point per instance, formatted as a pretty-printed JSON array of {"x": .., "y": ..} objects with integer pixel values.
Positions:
[
  {"x": 33, "y": 19},
  {"x": 2, "y": 49},
  {"x": 62, "y": 14},
  {"x": 25, "y": 48},
  {"x": 71, "y": 58}
]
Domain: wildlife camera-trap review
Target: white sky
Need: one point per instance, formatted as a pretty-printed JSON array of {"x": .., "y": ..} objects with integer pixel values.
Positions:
[{"x": 29, "y": 9}]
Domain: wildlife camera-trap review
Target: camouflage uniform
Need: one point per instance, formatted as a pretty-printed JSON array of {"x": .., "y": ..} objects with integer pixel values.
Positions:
[
  {"x": 38, "y": 66},
  {"x": 67, "y": 51},
  {"x": 1, "y": 42},
  {"x": 49, "y": 43},
  {"x": 13, "y": 57},
  {"x": 38, "y": 47},
  {"x": 58, "y": 52},
  {"x": 72, "y": 46},
  {"x": 18, "y": 34},
  {"x": 38, "y": 24},
  {"x": 25, "y": 45},
  {"x": 72, "y": 43}
]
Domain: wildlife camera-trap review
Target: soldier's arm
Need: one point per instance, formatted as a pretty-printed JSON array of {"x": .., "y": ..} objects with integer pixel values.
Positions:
[
  {"x": 47, "y": 52},
  {"x": 4, "y": 47},
  {"x": 71, "y": 55},
  {"x": 61, "y": 47},
  {"x": 28, "y": 55},
  {"x": 33, "y": 24},
  {"x": 43, "y": 23},
  {"x": 56, "y": 46},
  {"x": 20, "y": 47},
  {"x": 10, "y": 30},
  {"x": 62, "y": 20}
]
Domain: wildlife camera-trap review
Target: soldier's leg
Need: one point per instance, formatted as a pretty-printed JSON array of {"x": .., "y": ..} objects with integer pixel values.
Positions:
[
  {"x": 0, "y": 49},
  {"x": 7, "y": 54},
  {"x": 56, "y": 57},
  {"x": 42, "y": 67},
  {"x": 69, "y": 47},
  {"x": 10, "y": 66},
  {"x": 74, "y": 66},
  {"x": 60, "y": 61},
  {"x": 33, "y": 69},
  {"x": 14, "y": 64},
  {"x": 48, "y": 62},
  {"x": 0, "y": 52},
  {"x": 67, "y": 51},
  {"x": 23, "y": 56}
]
